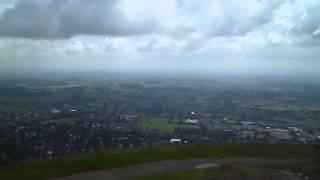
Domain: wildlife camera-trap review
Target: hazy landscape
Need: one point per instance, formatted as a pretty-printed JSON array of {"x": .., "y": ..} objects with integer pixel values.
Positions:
[
  {"x": 159, "y": 89},
  {"x": 50, "y": 117}
]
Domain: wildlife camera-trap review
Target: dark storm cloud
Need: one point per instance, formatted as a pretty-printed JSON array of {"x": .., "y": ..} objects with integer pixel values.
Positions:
[{"x": 58, "y": 19}]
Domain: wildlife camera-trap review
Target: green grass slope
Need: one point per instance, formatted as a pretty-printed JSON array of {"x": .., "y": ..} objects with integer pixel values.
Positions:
[
  {"x": 109, "y": 159},
  {"x": 240, "y": 172}
]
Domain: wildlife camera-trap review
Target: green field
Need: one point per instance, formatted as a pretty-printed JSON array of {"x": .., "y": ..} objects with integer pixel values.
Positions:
[
  {"x": 162, "y": 124},
  {"x": 73, "y": 164}
]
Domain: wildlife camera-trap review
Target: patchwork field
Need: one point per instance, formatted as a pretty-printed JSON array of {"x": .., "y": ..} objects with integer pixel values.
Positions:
[{"x": 162, "y": 124}]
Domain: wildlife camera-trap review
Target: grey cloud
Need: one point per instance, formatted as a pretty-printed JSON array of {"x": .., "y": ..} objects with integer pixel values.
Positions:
[
  {"x": 306, "y": 31},
  {"x": 149, "y": 46},
  {"x": 59, "y": 19},
  {"x": 8, "y": 1},
  {"x": 310, "y": 23},
  {"x": 155, "y": 46},
  {"x": 316, "y": 33},
  {"x": 194, "y": 45},
  {"x": 235, "y": 21},
  {"x": 304, "y": 42}
]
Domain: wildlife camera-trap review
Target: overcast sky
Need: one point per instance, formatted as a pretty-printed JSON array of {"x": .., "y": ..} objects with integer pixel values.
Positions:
[{"x": 155, "y": 35}]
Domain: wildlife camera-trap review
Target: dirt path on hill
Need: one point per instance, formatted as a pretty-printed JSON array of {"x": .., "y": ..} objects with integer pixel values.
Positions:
[{"x": 169, "y": 166}]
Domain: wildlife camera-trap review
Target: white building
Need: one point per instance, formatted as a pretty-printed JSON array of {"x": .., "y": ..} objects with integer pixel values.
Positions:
[
  {"x": 192, "y": 121},
  {"x": 174, "y": 140},
  {"x": 55, "y": 111}
]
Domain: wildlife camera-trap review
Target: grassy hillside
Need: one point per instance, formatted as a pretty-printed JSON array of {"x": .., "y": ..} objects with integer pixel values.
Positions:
[
  {"x": 72, "y": 164},
  {"x": 240, "y": 172}
]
